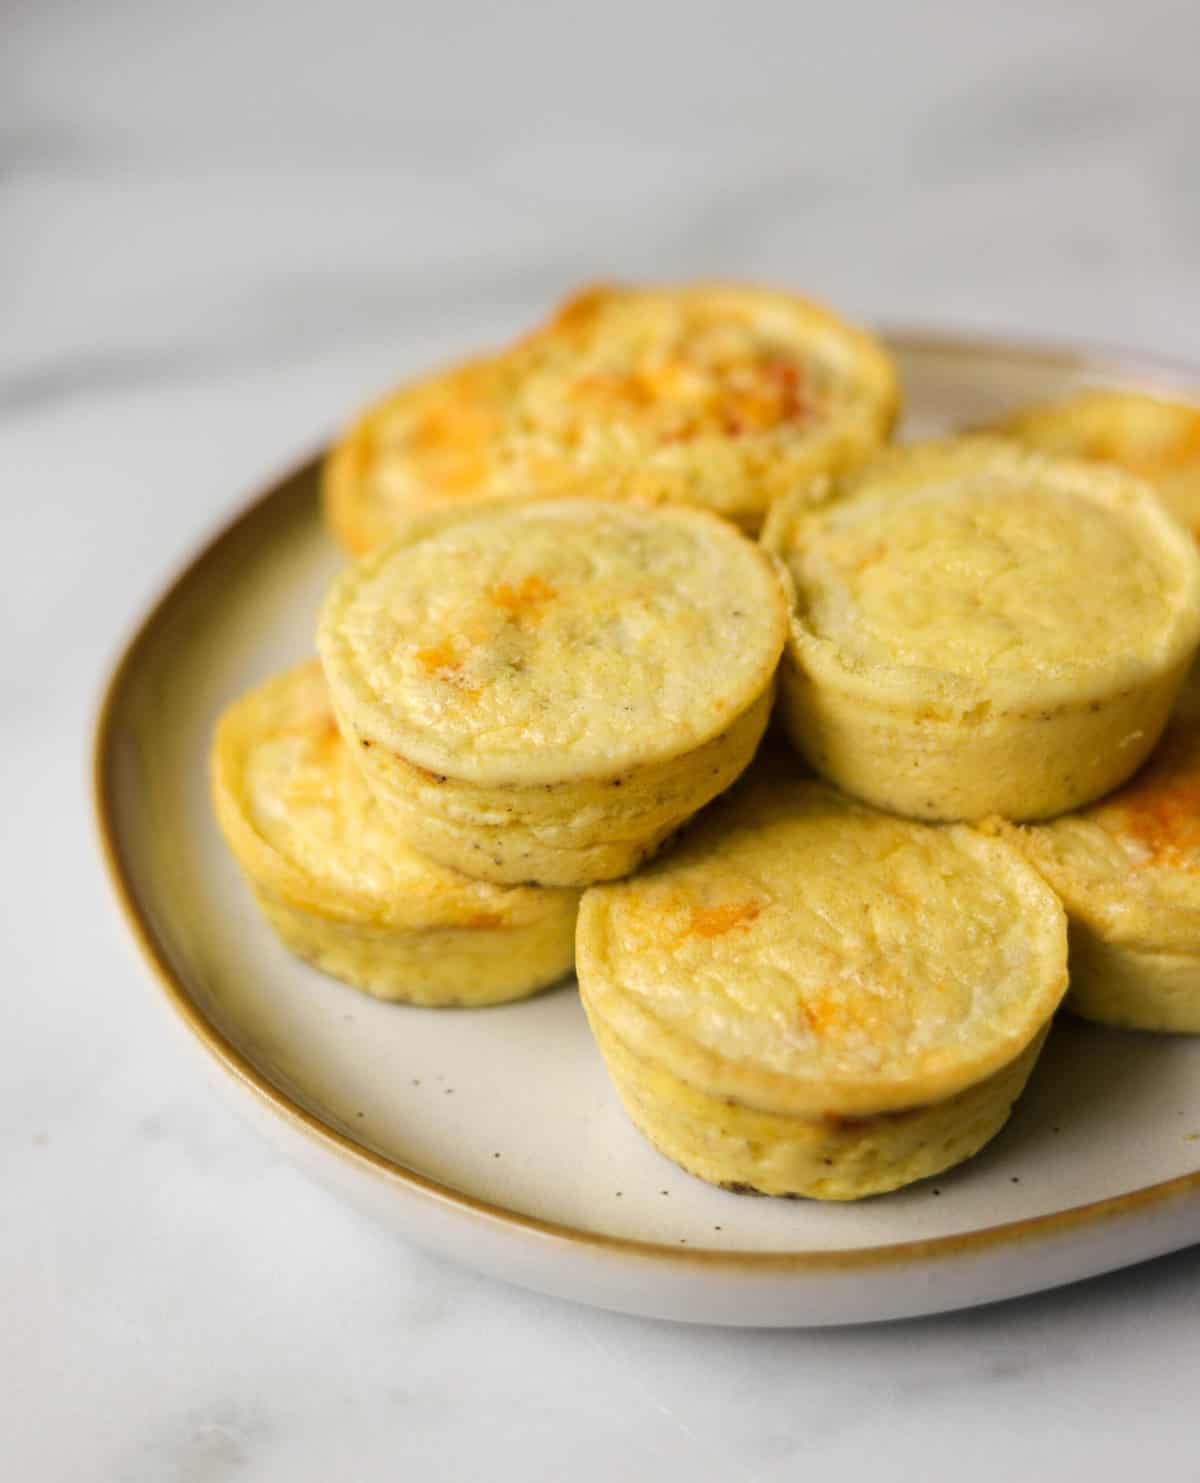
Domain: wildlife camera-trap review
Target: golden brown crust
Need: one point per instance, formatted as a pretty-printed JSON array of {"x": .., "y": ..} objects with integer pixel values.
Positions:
[
  {"x": 709, "y": 394},
  {"x": 424, "y": 445}
]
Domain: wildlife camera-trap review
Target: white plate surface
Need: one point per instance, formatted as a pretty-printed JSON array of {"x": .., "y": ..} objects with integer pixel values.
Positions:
[{"x": 494, "y": 1135}]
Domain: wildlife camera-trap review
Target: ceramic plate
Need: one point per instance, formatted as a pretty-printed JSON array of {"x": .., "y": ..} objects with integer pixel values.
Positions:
[{"x": 492, "y": 1135}]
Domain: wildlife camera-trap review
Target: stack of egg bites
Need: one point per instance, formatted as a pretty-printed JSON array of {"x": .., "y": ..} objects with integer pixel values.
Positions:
[{"x": 590, "y": 567}]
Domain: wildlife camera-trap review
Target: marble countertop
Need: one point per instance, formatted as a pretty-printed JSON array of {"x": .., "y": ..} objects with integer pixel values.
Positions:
[{"x": 225, "y": 226}]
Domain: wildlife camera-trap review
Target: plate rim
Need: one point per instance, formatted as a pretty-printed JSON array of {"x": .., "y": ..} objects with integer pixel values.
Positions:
[{"x": 1065, "y": 355}]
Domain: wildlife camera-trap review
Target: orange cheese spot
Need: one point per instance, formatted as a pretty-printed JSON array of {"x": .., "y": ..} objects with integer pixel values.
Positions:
[
  {"x": 700, "y": 389},
  {"x": 439, "y": 659},
  {"x": 839, "y": 1018},
  {"x": 524, "y": 602},
  {"x": 715, "y": 921},
  {"x": 1161, "y": 807},
  {"x": 451, "y": 442},
  {"x": 819, "y": 1015},
  {"x": 484, "y": 919},
  {"x": 629, "y": 389},
  {"x": 451, "y": 425},
  {"x": 774, "y": 392},
  {"x": 327, "y": 742}
]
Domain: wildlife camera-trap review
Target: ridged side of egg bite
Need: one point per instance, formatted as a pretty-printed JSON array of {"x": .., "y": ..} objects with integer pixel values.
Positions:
[{"x": 340, "y": 886}]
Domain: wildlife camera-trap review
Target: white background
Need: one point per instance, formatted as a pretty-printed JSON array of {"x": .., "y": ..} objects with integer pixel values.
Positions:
[{"x": 221, "y": 227}]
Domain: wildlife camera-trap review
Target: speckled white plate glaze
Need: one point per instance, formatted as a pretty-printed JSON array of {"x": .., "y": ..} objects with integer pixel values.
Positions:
[{"x": 493, "y": 1135}]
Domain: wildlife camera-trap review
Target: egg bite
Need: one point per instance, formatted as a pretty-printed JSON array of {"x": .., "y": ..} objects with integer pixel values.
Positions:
[
  {"x": 979, "y": 628},
  {"x": 807, "y": 997},
  {"x": 544, "y": 690},
  {"x": 1155, "y": 437},
  {"x": 709, "y": 394},
  {"x": 341, "y": 888},
  {"x": 1128, "y": 871}
]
